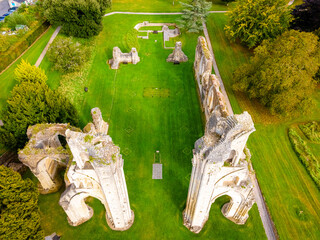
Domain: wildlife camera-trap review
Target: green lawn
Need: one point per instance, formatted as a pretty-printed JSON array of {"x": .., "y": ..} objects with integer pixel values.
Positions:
[
  {"x": 143, "y": 120},
  {"x": 286, "y": 186},
  {"x": 157, "y": 5}
]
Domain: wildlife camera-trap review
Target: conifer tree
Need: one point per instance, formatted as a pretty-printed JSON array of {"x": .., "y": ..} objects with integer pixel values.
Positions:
[
  {"x": 194, "y": 13},
  {"x": 19, "y": 211}
]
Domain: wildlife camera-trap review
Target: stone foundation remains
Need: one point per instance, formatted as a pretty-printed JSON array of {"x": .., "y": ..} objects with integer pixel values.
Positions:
[
  {"x": 119, "y": 57},
  {"x": 218, "y": 161},
  {"x": 177, "y": 55}
]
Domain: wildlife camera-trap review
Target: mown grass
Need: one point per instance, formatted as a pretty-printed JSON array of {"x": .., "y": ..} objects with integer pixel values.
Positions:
[
  {"x": 158, "y": 5},
  {"x": 141, "y": 125},
  {"x": 291, "y": 195},
  {"x": 7, "y": 81}
]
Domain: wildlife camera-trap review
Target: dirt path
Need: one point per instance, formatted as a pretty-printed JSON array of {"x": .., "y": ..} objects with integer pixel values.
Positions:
[{"x": 55, "y": 33}]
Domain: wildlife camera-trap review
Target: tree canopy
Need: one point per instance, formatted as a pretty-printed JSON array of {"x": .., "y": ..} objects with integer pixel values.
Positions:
[
  {"x": 31, "y": 102},
  {"x": 307, "y": 16},
  {"x": 253, "y": 21},
  {"x": 67, "y": 56},
  {"x": 194, "y": 13},
  {"x": 281, "y": 72},
  {"x": 81, "y": 18},
  {"x": 20, "y": 217}
]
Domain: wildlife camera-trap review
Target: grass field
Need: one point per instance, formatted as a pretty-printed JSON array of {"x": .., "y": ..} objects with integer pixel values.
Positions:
[
  {"x": 286, "y": 186},
  {"x": 158, "y": 5},
  {"x": 150, "y": 106}
]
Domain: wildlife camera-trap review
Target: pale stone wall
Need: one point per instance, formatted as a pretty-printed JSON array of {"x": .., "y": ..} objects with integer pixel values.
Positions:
[
  {"x": 96, "y": 170},
  {"x": 177, "y": 55},
  {"x": 119, "y": 57},
  {"x": 218, "y": 165}
]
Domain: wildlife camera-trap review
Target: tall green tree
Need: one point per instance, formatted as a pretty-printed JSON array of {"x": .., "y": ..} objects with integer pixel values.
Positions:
[
  {"x": 32, "y": 102},
  {"x": 194, "y": 13},
  {"x": 81, "y": 18},
  {"x": 19, "y": 211},
  {"x": 254, "y": 21},
  {"x": 281, "y": 72}
]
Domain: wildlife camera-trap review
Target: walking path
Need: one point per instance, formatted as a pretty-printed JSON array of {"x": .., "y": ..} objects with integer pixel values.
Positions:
[
  {"x": 150, "y": 13},
  {"x": 55, "y": 33}
]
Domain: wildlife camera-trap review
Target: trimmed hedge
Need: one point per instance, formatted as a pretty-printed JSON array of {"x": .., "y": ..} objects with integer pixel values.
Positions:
[
  {"x": 19, "y": 47},
  {"x": 311, "y": 130},
  {"x": 305, "y": 155}
]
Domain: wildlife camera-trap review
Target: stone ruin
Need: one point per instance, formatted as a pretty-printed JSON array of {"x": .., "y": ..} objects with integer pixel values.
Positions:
[
  {"x": 120, "y": 57},
  {"x": 177, "y": 55},
  {"x": 219, "y": 164},
  {"x": 94, "y": 168}
]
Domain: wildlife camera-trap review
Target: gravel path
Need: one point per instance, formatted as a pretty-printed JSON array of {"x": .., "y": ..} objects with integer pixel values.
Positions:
[{"x": 55, "y": 33}]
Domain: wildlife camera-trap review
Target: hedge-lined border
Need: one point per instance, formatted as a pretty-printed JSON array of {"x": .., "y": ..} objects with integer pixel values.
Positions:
[{"x": 18, "y": 49}]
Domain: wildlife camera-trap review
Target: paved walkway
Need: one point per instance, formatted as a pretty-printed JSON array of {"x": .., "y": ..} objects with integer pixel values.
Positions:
[
  {"x": 55, "y": 33},
  {"x": 150, "y": 13}
]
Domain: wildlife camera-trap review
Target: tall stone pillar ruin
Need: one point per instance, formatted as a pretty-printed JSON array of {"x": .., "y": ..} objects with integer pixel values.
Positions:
[
  {"x": 96, "y": 170},
  {"x": 219, "y": 165}
]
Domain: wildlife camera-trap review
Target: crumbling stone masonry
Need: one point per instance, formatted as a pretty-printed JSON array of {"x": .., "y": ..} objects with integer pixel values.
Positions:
[
  {"x": 119, "y": 57},
  {"x": 219, "y": 165},
  {"x": 177, "y": 55},
  {"x": 44, "y": 154},
  {"x": 94, "y": 168}
]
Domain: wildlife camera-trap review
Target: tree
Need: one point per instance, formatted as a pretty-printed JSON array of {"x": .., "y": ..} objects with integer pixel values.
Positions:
[
  {"x": 32, "y": 102},
  {"x": 25, "y": 72},
  {"x": 253, "y": 21},
  {"x": 194, "y": 14},
  {"x": 67, "y": 56},
  {"x": 81, "y": 18},
  {"x": 281, "y": 72},
  {"x": 20, "y": 217},
  {"x": 306, "y": 16}
]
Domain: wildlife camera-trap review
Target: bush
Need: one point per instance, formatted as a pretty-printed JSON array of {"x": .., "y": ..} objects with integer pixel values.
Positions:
[
  {"x": 311, "y": 130},
  {"x": 15, "y": 19},
  {"x": 305, "y": 155},
  {"x": 67, "y": 56},
  {"x": 19, "y": 47}
]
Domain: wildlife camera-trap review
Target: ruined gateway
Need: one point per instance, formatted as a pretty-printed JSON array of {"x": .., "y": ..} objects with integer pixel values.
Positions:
[
  {"x": 94, "y": 168},
  {"x": 219, "y": 165}
]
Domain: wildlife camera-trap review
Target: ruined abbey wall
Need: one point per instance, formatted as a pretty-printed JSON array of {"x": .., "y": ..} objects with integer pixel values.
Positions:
[{"x": 218, "y": 161}]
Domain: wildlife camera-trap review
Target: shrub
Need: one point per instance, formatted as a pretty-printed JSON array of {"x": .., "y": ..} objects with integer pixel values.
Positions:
[
  {"x": 14, "y": 19},
  {"x": 305, "y": 155},
  {"x": 311, "y": 130},
  {"x": 67, "y": 56}
]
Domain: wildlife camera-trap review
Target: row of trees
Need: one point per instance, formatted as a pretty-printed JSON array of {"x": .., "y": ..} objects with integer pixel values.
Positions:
[{"x": 282, "y": 72}]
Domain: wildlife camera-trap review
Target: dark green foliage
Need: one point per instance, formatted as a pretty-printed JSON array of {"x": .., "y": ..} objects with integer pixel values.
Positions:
[
  {"x": 253, "y": 21},
  {"x": 14, "y": 19},
  {"x": 281, "y": 72},
  {"x": 311, "y": 130},
  {"x": 305, "y": 155},
  {"x": 306, "y": 16},
  {"x": 81, "y": 18},
  {"x": 20, "y": 217},
  {"x": 19, "y": 47},
  {"x": 32, "y": 102},
  {"x": 194, "y": 14},
  {"x": 67, "y": 56}
]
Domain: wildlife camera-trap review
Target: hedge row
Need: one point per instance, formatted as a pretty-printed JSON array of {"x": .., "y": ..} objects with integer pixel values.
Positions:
[
  {"x": 6, "y": 58},
  {"x": 311, "y": 130},
  {"x": 305, "y": 155}
]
